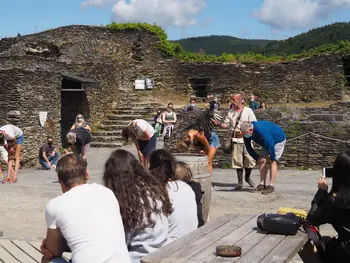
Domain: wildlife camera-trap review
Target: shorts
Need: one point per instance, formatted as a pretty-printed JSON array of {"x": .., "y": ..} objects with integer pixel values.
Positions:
[
  {"x": 20, "y": 139},
  {"x": 214, "y": 140},
  {"x": 279, "y": 148},
  {"x": 240, "y": 157},
  {"x": 3, "y": 154},
  {"x": 147, "y": 147}
]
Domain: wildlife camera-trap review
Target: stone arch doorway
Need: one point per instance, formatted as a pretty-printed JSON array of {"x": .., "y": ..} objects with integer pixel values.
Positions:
[{"x": 74, "y": 101}]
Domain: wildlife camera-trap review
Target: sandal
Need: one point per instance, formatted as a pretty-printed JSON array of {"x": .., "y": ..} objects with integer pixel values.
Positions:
[
  {"x": 6, "y": 180},
  {"x": 13, "y": 180}
]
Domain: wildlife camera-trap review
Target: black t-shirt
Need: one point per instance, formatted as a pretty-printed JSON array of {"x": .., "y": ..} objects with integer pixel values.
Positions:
[
  {"x": 46, "y": 148},
  {"x": 83, "y": 138},
  {"x": 83, "y": 135}
]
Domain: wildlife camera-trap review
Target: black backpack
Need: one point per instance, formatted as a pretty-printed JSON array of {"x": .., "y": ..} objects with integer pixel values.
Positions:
[{"x": 287, "y": 224}]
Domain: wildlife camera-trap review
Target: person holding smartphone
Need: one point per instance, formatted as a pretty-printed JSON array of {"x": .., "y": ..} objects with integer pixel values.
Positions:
[{"x": 333, "y": 208}]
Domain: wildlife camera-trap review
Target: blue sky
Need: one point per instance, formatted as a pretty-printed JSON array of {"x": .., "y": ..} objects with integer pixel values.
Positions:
[{"x": 268, "y": 19}]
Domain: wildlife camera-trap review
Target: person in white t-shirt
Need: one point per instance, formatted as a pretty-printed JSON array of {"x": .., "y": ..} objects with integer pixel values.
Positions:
[
  {"x": 144, "y": 137},
  {"x": 184, "y": 218},
  {"x": 144, "y": 203},
  {"x": 85, "y": 219},
  {"x": 13, "y": 139}
]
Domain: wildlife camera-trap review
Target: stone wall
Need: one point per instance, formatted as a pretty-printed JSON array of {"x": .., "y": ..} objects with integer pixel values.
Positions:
[
  {"x": 31, "y": 67},
  {"x": 25, "y": 105},
  {"x": 310, "y": 143}
]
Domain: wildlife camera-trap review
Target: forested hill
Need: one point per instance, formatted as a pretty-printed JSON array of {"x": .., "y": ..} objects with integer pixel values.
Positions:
[
  {"x": 330, "y": 34},
  {"x": 216, "y": 45}
]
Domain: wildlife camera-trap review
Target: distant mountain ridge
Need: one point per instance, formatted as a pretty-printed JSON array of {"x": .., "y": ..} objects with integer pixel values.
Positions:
[{"x": 217, "y": 45}]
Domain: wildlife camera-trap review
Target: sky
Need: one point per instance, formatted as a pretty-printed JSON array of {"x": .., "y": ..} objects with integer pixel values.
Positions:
[{"x": 261, "y": 19}]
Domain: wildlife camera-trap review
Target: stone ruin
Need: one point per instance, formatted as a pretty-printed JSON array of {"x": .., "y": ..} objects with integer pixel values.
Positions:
[{"x": 91, "y": 70}]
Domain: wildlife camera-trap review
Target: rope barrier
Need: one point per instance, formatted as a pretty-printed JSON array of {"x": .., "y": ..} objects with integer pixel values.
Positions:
[{"x": 317, "y": 135}]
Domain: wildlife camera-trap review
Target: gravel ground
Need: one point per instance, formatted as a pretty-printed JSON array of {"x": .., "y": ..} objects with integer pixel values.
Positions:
[{"x": 23, "y": 204}]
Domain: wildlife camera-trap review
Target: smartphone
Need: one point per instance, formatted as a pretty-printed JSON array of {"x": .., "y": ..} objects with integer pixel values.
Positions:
[{"x": 328, "y": 172}]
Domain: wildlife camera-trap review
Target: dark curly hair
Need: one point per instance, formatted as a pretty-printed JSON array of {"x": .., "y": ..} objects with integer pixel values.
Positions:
[
  {"x": 163, "y": 165},
  {"x": 137, "y": 191}
]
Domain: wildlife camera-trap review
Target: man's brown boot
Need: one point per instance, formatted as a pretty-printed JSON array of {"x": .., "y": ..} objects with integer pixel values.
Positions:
[
  {"x": 247, "y": 177},
  {"x": 240, "y": 179}
]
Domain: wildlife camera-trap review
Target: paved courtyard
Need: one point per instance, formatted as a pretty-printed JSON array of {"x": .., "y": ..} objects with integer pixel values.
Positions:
[{"x": 23, "y": 204}]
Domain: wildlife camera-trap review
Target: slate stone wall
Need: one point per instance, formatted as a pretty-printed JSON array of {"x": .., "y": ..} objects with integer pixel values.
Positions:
[
  {"x": 24, "y": 107},
  {"x": 310, "y": 144},
  {"x": 31, "y": 67}
]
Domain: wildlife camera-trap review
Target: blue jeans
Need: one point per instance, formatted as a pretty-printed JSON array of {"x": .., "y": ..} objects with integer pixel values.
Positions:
[
  {"x": 60, "y": 260},
  {"x": 214, "y": 140},
  {"x": 51, "y": 159},
  {"x": 20, "y": 139}
]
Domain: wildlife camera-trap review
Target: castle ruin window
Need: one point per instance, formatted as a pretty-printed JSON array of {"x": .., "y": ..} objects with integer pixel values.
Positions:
[{"x": 201, "y": 86}]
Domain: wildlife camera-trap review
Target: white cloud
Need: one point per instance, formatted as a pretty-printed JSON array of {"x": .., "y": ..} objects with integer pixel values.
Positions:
[
  {"x": 177, "y": 13},
  {"x": 297, "y": 14},
  {"x": 94, "y": 3}
]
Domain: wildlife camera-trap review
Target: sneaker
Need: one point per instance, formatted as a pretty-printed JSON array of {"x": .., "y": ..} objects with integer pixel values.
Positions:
[
  {"x": 53, "y": 167},
  {"x": 269, "y": 189},
  {"x": 259, "y": 188}
]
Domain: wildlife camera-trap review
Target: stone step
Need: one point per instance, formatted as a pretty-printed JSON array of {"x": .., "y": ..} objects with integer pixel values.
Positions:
[
  {"x": 106, "y": 144},
  {"x": 123, "y": 122},
  {"x": 128, "y": 107},
  {"x": 134, "y": 111},
  {"x": 107, "y": 133},
  {"x": 124, "y": 117},
  {"x": 106, "y": 138},
  {"x": 111, "y": 127},
  {"x": 139, "y": 103}
]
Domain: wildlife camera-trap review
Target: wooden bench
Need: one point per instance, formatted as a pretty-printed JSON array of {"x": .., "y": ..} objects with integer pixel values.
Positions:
[
  {"x": 199, "y": 246},
  {"x": 15, "y": 251}
]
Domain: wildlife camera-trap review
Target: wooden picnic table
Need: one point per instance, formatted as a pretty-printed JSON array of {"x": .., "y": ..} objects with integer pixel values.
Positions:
[
  {"x": 235, "y": 229},
  {"x": 19, "y": 251}
]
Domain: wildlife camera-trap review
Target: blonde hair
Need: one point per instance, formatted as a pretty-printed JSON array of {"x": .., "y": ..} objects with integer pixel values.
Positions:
[{"x": 183, "y": 172}]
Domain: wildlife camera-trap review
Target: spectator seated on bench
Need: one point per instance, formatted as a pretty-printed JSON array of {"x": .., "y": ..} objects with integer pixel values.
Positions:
[
  {"x": 334, "y": 208},
  {"x": 184, "y": 218},
  {"x": 144, "y": 203},
  {"x": 86, "y": 218}
]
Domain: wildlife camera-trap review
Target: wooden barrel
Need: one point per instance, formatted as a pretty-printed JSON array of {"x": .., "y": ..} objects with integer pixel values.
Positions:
[{"x": 201, "y": 174}]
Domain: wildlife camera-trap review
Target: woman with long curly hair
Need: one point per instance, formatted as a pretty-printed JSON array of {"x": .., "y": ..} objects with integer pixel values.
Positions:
[
  {"x": 144, "y": 203},
  {"x": 184, "y": 218}
]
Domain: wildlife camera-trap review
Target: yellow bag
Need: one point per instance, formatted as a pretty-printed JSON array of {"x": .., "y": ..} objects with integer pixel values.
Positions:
[{"x": 298, "y": 212}]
